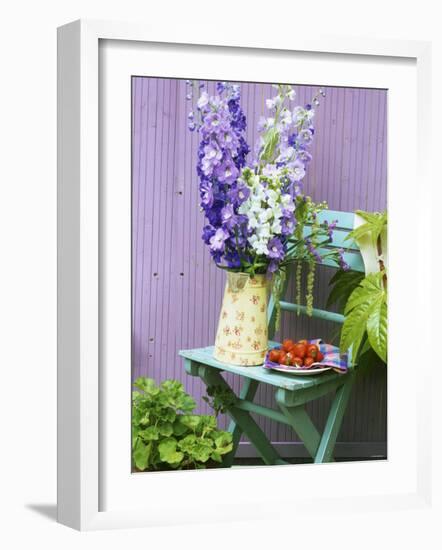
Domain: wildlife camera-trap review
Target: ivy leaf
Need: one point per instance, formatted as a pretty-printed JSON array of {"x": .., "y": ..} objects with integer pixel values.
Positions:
[{"x": 377, "y": 330}]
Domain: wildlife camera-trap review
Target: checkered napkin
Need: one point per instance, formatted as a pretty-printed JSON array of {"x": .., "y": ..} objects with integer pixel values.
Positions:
[{"x": 332, "y": 358}]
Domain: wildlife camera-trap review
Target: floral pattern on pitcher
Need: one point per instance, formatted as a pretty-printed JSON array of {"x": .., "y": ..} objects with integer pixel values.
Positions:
[{"x": 242, "y": 328}]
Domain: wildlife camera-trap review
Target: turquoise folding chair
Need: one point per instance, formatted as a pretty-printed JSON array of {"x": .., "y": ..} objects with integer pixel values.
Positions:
[{"x": 291, "y": 392}]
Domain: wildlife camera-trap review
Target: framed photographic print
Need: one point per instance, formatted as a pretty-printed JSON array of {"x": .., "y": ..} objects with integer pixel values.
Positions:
[{"x": 226, "y": 287}]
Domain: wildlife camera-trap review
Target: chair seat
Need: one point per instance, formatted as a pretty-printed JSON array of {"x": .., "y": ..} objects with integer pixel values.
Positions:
[{"x": 290, "y": 382}]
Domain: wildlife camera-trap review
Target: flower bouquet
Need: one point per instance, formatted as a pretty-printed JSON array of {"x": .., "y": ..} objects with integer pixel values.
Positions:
[{"x": 255, "y": 208}]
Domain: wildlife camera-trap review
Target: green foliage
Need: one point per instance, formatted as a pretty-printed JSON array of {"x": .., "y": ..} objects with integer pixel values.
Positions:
[
  {"x": 219, "y": 398},
  {"x": 375, "y": 224},
  {"x": 165, "y": 433},
  {"x": 366, "y": 312},
  {"x": 363, "y": 298},
  {"x": 343, "y": 283}
]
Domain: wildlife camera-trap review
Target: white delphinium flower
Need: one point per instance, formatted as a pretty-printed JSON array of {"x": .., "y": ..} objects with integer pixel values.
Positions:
[
  {"x": 285, "y": 117},
  {"x": 263, "y": 232},
  {"x": 203, "y": 100},
  {"x": 254, "y": 207},
  {"x": 265, "y": 215},
  {"x": 259, "y": 245},
  {"x": 253, "y": 220},
  {"x": 276, "y": 227},
  {"x": 286, "y": 154},
  {"x": 299, "y": 115},
  {"x": 291, "y": 94},
  {"x": 274, "y": 102},
  {"x": 272, "y": 197},
  {"x": 298, "y": 170},
  {"x": 270, "y": 171},
  {"x": 287, "y": 202}
]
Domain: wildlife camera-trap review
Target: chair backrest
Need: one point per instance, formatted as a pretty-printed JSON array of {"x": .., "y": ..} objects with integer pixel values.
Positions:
[
  {"x": 352, "y": 255},
  {"x": 345, "y": 224}
]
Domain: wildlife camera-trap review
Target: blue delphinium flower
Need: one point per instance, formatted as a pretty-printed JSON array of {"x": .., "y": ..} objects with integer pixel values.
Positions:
[
  {"x": 275, "y": 249},
  {"x": 250, "y": 204},
  {"x": 342, "y": 263},
  {"x": 221, "y": 156}
]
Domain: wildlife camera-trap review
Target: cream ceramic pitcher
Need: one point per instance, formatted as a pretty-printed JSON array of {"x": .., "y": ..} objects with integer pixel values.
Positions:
[{"x": 241, "y": 338}]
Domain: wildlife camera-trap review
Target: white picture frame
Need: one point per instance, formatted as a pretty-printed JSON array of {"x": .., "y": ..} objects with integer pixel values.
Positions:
[{"x": 80, "y": 396}]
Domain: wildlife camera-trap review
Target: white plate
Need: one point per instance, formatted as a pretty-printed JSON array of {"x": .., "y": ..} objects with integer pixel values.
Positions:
[{"x": 301, "y": 371}]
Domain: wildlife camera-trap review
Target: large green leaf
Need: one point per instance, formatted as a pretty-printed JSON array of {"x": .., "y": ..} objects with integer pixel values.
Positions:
[
  {"x": 375, "y": 224},
  {"x": 179, "y": 428},
  {"x": 369, "y": 289},
  {"x": 150, "y": 434},
  {"x": 224, "y": 443},
  {"x": 168, "y": 452},
  {"x": 354, "y": 325},
  {"x": 165, "y": 428},
  {"x": 202, "y": 450},
  {"x": 364, "y": 301},
  {"x": 377, "y": 330},
  {"x": 191, "y": 421},
  {"x": 187, "y": 443},
  {"x": 141, "y": 454}
]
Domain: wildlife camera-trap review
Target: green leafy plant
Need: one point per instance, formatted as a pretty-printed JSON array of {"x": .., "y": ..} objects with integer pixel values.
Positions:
[
  {"x": 374, "y": 226},
  {"x": 363, "y": 298},
  {"x": 366, "y": 312},
  {"x": 219, "y": 398},
  {"x": 165, "y": 433}
]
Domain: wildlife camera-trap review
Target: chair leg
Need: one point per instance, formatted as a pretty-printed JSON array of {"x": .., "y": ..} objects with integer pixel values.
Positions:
[
  {"x": 243, "y": 420},
  {"x": 248, "y": 392},
  {"x": 334, "y": 421},
  {"x": 301, "y": 423}
]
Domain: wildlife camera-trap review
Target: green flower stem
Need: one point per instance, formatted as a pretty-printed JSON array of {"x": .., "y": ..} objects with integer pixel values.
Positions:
[
  {"x": 298, "y": 281},
  {"x": 310, "y": 285}
]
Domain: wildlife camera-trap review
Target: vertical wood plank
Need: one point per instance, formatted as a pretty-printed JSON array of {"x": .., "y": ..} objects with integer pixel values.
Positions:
[{"x": 178, "y": 307}]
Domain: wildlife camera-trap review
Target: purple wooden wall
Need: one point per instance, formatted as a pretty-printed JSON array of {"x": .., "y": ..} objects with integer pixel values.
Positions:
[{"x": 177, "y": 290}]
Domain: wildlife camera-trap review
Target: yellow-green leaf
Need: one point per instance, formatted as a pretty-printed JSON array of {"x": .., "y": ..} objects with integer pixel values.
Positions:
[{"x": 377, "y": 330}]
